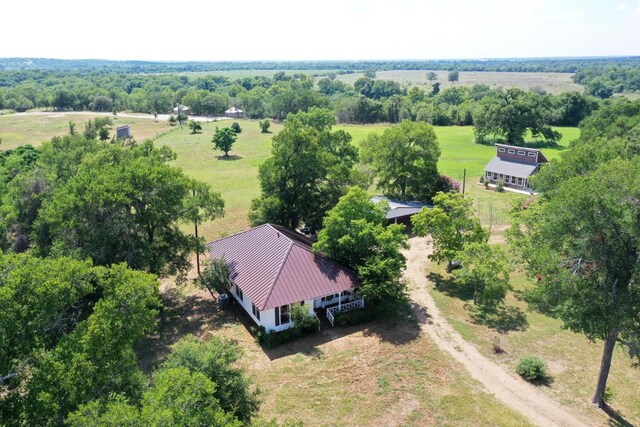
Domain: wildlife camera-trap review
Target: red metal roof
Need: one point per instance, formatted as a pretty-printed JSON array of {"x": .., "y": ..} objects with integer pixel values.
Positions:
[{"x": 274, "y": 266}]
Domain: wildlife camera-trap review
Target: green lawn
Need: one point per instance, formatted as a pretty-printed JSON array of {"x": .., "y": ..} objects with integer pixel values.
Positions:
[
  {"x": 237, "y": 179},
  {"x": 34, "y": 129}
]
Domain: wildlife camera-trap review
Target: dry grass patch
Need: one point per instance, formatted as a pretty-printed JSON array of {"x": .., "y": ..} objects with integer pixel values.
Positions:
[
  {"x": 549, "y": 82},
  {"x": 573, "y": 360}
]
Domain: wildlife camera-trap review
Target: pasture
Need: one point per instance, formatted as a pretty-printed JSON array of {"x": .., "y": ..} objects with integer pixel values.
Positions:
[
  {"x": 237, "y": 178},
  {"x": 549, "y": 82},
  {"x": 35, "y": 128}
]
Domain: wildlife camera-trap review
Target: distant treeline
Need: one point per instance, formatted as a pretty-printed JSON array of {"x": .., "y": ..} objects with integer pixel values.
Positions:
[
  {"x": 368, "y": 100},
  {"x": 561, "y": 65}
]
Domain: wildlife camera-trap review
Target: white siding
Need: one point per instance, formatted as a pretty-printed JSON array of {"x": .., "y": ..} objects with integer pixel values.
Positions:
[{"x": 267, "y": 317}]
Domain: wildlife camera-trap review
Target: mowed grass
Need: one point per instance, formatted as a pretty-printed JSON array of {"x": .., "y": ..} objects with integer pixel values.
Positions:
[
  {"x": 549, "y": 82},
  {"x": 377, "y": 374},
  {"x": 34, "y": 129},
  {"x": 236, "y": 178}
]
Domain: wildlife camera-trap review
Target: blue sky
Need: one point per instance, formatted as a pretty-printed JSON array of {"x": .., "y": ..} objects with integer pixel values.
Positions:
[{"x": 315, "y": 30}]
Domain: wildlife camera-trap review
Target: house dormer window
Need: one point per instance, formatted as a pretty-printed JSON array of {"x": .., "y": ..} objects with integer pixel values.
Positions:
[
  {"x": 500, "y": 150},
  {"x": 510, "y": 151},
  {"x": 531, "y": 154},
  {"x": 521, "y": 153}
]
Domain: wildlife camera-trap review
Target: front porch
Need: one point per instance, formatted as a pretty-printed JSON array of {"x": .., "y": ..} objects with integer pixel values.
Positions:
[{"x": 341, "y": 307}]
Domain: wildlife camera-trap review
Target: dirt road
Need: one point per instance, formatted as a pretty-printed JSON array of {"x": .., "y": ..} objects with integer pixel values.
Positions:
[
  {"x": 161, "y": 117},
  {"x": 509, "y": 389}
]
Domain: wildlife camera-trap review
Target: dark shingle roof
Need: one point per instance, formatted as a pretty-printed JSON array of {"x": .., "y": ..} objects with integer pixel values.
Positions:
[{"x": 274, "y": 266}]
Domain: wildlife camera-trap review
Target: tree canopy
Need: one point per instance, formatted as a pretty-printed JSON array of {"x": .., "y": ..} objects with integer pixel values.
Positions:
[
  {"x": 451, "y": 223},
  {"x": 355, "y": 233},
  {"x": 310, "y": 168},
  {"x": 509, "y": 114},
  {"x": 404, "y": 160},
  {"x": 223, "y": 139}
]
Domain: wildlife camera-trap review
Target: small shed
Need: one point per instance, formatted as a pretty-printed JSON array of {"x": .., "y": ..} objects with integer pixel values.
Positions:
[
  {"x": 234, "y": 113},
  {"x": 181, "y": 109},
  {"x": 400, "y": 212},
  {"x": 123, "y": 132}
]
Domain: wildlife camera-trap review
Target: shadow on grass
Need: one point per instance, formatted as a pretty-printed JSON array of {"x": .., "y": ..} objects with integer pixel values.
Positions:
[
  {"x": 449, "y": 286},
  {"x": 180, "y": 316},
  {"x": 501, "y": 318},
  {"x": 229, "y": 158},
  {"x": 615, "y": 417},
  {"x": 399, "y": 329}
]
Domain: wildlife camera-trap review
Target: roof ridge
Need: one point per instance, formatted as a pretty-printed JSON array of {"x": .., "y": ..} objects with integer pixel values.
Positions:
[
  {"x": 237, "y": 234},
  {"x": 275, "y": 279}
]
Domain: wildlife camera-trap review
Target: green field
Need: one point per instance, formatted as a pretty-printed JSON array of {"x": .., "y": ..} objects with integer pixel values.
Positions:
[
  {"x": 236, "y": 178},
  {"x": 21, "y": 129},
  {"x": 549, "y": 82}
]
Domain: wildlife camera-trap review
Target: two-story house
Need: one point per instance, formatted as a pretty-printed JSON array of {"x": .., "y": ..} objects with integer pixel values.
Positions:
[{"x": 514, "y": 166}]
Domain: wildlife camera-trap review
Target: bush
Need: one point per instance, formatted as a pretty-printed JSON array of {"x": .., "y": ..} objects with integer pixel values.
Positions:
[
  {"x": 500, "y": 186},
  {"x": 236, "y": 127},
  {"x": 482, "y": 179},
  {"x": 264, "y": 125},
  {"x": 304, "y": 322},
  {"x": 532, "y": 368},
  {"x": 608, "y": 395},
  {"x": 447, "y": 184},
  {"x": 354, "y": 317}
]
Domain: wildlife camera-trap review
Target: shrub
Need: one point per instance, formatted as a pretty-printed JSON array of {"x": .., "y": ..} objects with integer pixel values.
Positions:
[
  {"x": 486, "y": 183},
  {"x": 496, "y": 345},
  {"x": 304, "y": 324},
  {"x": 264, "y": 125},
  {"x": 172, "y": 120},
  {"x": 303, "y": 319},
  {"x": 447, "y": 184},
  {"x": 482, "y": 179},
  {"x": 354, "y": 317},
  {"x": 236, "y": 127},
  {"x": 532, "y": 368},
  {"x": 608, "y": 395},
  {"x": 500, "y": 186}
]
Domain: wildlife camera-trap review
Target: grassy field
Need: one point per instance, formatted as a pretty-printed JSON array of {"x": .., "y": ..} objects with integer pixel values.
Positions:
[
  {"x": 236, "y": 178},
  {"x": 549, "y": 82},
  {"x": 18, "y": 129}
]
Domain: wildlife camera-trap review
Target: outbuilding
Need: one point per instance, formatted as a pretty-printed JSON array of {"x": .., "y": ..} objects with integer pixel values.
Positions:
[{"x": 514, "y": 166}]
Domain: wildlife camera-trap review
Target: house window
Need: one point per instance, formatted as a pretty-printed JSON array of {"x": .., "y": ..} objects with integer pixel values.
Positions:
[
  {"x": 521, "y": 153},
  {"x": 255, "y": 311},
  {"x": 520, "y": 182},
  {"x": 495, "y": 176},
  {"x": 285, "y": 315},
  {"x": 513, "y": 179},
  {"x": 239, "y": 293},
  {"x": 501, "y": 150},
  {"x": 531, "y": 154},
  {"x": 501, "y": 176},
  {"x": 510, "y": 151},
  {"x": 488, "y": 174}
]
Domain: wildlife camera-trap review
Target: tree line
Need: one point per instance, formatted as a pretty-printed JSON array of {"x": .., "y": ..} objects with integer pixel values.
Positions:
[{"x": 559, "y": 65}]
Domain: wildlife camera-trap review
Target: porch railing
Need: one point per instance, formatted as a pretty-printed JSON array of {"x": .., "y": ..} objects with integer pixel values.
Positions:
[{"x": 347, "y": 306}]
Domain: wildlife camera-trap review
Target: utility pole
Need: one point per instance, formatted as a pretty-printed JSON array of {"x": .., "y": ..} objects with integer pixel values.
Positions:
[{"x": 464, "y": 180}]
